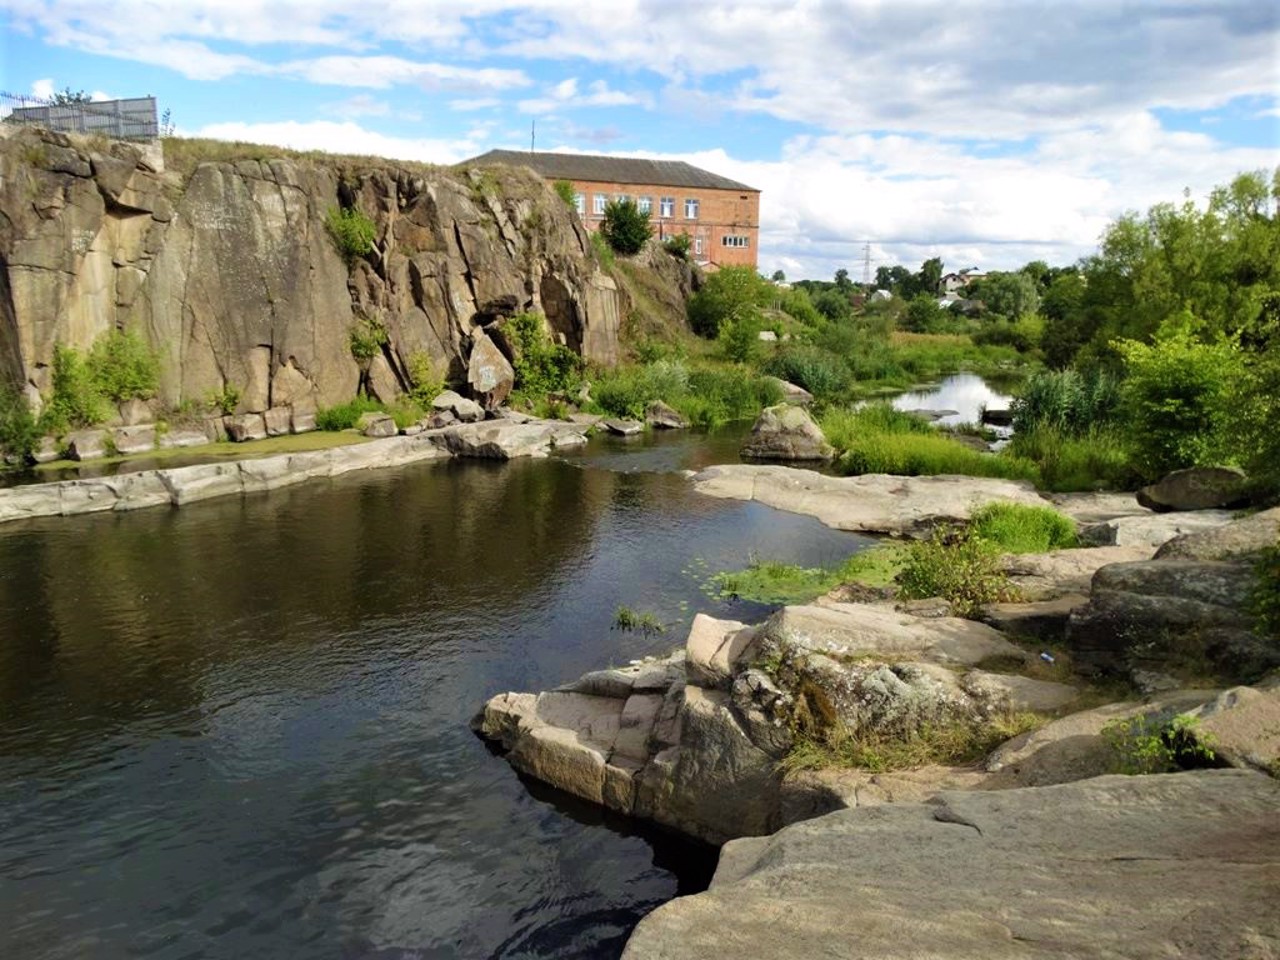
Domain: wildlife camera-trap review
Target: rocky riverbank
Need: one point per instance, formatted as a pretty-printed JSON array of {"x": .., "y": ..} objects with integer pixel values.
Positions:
[
  {"x": 706, "y": 742},
  {"x": 178, "y": 486}
]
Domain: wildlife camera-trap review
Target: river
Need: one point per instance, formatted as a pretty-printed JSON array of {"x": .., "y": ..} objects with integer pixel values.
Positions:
[{"x": 240, "y": 729}]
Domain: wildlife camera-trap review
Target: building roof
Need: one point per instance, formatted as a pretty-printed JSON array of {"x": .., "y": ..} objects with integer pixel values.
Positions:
[{"x": 576, "y": 166}]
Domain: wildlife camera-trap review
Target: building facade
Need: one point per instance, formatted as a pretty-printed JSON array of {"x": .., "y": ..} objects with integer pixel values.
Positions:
[{"x": 720, "y": 216}]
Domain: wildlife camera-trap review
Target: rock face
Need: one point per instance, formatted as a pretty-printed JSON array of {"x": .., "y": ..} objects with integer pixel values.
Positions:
[
  {"x": 1151, "y": 530},
  {"x": 230, "y": 274},
  {"x": 489, "y": 373},
  {"x": 786, "y": 432},
  {"x": 1196, "y": 488},
  {"x": 660, "y": 416},
  {"x": 872, "y": 503},
  {"x": 1135, "y": 867}
]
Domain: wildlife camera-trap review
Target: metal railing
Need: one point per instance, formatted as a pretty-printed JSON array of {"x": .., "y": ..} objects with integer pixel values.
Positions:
[{"x": 133, "y": 119}]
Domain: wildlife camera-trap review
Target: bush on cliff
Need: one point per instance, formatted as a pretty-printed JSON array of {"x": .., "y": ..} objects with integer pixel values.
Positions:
[
  {"x": 352, "y": 232},
  {"x": 122, "y": 367},
  {"x": 542, "y": 366},
  {"x": 76, "y": 401},
  {"x": 625, "y": 227}
]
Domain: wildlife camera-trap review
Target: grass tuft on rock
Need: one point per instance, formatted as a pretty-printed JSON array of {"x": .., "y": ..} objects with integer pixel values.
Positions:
[{"x": 1018, "y": 528}]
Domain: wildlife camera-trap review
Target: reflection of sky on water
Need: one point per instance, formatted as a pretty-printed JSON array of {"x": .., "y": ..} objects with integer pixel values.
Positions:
[{"x": 966, "y": 393}]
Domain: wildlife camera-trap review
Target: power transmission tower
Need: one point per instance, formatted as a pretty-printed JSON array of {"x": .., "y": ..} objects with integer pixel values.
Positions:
[{"x": 866, "y": 265}]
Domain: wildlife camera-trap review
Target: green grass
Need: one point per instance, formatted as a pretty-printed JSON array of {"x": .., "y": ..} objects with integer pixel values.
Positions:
[
  {"x": 345, "y": 415},
  {"x": 1017, "y": 528},
  {"x": 878, "y": 439},
  {"x": 958, "y": 566},
  {"x": 1098, "y": 459},
  {"x": 708, "y": 395},
  {"x": 953, "y": 744},
  {"x": 783, "y": 583},
  {"x": 288, "y": 443}
]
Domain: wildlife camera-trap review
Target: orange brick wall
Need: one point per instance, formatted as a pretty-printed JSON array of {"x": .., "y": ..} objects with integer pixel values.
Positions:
[{"x": 721, "y": 213}]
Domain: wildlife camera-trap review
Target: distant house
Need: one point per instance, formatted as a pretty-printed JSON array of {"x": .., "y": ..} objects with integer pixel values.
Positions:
[
  {"x": 954, "y": 283},
  {"x": 721, "y": 216}
]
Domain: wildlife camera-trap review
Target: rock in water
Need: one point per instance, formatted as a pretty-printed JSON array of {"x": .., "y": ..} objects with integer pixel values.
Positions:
[
  {"x": 1196, "y": 488},
  {"x": 1183, "y": 865},
  {"x": 786, "y": 432},
  {"x": 662, "y": 417}
]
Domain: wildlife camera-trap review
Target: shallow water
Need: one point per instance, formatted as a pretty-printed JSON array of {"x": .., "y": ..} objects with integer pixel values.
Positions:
[
  {"x": 966, "y": 393},
  {"x": 239, "y": 729}
]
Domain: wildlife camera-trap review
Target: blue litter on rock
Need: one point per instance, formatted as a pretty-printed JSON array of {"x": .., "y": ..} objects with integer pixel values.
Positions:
[{"x": 1047, "y": 657}]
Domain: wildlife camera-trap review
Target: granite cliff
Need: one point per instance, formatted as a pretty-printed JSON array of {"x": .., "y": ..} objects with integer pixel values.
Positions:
[{"x": 228, "y": 270}]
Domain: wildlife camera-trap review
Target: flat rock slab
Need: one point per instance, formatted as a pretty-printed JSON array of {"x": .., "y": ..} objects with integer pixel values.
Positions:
[
  {"x": 1242, "y": 726},
  {"x": 1240, "y": 538},
  {"x": 1183, "y": 865},
  {"x": 1097, "y": 507},
  {"x": 507, "y": 439},
  {"x": 859, "y": 629},
  {"x": 1152, "y": 530},
  {"x": 871, "y": 503},
  {"x": 624, "y": 428},
  {"x": 1046, "y": 576}
]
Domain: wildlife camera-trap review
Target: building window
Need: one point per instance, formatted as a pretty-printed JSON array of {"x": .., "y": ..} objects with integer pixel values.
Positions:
[
  {"x": 598, "y": 202},
  {"x": 580, "y": 203},
  {"x": 622, "y": 197},
  {"x": 691, "y": 209},
  {"x": 730, "y": 240},
  {"x": 668, "y": 207},
  {"x": 697, "y": 244},
  {"x": 644, "y": 204}
]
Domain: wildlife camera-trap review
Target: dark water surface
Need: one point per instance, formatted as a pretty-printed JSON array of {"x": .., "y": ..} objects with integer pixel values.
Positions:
[{"x": 240, "y": 729}]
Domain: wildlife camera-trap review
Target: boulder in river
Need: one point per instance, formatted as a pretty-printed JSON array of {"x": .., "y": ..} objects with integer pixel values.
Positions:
[{"x": 786, "y": 432}]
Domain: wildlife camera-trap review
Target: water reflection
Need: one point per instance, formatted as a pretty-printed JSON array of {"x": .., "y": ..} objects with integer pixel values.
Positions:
[
  {"x": 239, "y": 729},
  {"x": 966, "y": 393}
]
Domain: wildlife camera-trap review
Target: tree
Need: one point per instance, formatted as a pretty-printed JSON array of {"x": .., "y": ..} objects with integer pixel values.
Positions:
[
  {"x": 843, "y": 283},
  {"x": 1010, "y": 294},
  {"x": 779, "y": 277},
  {"x": 924, "y": 315},
  {"x": 833, "y": 305},
  {"x": 625, "y": 227},
  {"x": 1039, "y": 272},
  {"x": 68, "y": 96},
  {"x": 929, "y": 279},
  {"x": 730, "y": 295}
]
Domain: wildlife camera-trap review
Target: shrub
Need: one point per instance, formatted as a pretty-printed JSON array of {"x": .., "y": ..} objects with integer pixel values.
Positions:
[
  {"x": 123, "y": 367},
  {"x": 740, "y": 338},
  {"x": 1175, "y": 400},
  {"x": 424, "y": 383},
  {"x": 225, "y": 400},
  {"x": 957, "y": 565},
  {"x": 625, "y": 227},
  {"x": 18, "y": 430},
  {"x": 731, "y": 293},
  {"x": 678, "y": 246},
  {"x": 824, "y": 375},
  {"x": 367, "y": 338},
  {"x": 351, "y": 231},
  {"x": 1017, "y": 528},
  {"x": 628, "y": 621},
  {"x": 76, "y": 401},
  {"x": 541, "y": 366},
  {"x": 345, "y": 416},
  {"x": 1151, "y": 743},
  {"x": 564, "y": 190}
]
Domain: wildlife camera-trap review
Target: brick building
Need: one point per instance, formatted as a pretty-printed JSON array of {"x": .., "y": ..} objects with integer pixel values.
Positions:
[{"x": 721, "y": 216}]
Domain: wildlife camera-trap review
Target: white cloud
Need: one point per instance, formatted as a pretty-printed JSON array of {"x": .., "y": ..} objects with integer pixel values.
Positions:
[
  {"x": 346, "y": 137},
  {"x": 565, "y": 96},
  {"x": 43, "y": 88},
  {"x": 384, "y": 71}
]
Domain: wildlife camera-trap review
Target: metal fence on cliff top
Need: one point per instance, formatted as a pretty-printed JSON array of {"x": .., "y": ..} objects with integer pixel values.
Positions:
[{"x": 133, "y": 119}]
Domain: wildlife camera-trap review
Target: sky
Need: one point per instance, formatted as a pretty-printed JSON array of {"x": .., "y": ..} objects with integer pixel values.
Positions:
[{"x": 986, "y": 133}]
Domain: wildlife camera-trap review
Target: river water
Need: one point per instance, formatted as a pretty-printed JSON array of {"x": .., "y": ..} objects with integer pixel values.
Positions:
[{"x": 239, "y": 729}]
